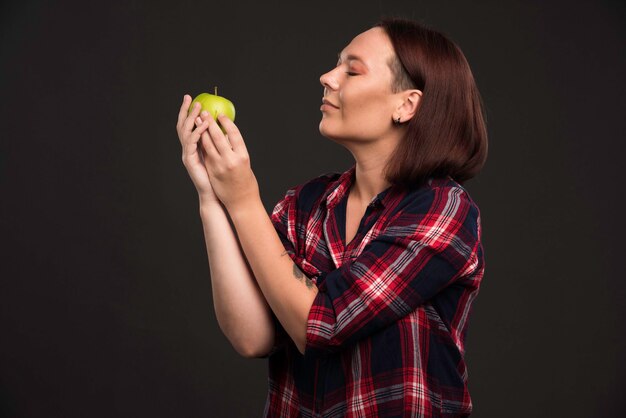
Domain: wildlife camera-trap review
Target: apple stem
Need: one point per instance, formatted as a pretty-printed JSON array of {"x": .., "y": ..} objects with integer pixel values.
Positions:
[{"x": 216, "y": 90}]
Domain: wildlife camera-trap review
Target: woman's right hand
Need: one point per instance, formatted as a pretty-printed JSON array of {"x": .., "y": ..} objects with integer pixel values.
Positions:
[{"x": 193, "y": 158}]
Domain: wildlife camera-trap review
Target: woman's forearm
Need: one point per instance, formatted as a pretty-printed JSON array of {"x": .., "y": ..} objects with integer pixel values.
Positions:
[
  {"x": 289, "y": 293},
  {"x": 240, "y": 307}
]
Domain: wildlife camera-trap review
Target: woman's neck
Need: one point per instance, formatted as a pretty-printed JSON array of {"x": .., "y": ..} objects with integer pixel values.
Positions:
[{"x": 369, "y": 181}]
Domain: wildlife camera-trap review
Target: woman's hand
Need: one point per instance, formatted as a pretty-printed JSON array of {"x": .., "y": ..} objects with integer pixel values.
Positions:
[
  {"x": 193, "y": 158},
  {"x": 227, "y": 162}
]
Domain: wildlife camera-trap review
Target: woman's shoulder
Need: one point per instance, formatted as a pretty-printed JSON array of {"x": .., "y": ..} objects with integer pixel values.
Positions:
[
  {"x": 453, "y": 200},
  {"x": 449, "y": 185},
  {"x": 306, "y": 194},
  {"x": 441, "y": 195},
  {"x": 315, "y": 186},
  {"x": 321, "y": 183}
]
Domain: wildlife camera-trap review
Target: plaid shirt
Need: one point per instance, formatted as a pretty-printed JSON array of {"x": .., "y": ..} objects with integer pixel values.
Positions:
[{"x": 385, "y": 334}]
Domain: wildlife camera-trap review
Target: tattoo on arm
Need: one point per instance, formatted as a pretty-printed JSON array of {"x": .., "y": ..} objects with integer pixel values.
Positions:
[{"x": 297, "y": 273}]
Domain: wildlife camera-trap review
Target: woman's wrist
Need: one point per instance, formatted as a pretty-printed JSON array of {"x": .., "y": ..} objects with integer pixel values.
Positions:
[{"x": 209, "y": 202}]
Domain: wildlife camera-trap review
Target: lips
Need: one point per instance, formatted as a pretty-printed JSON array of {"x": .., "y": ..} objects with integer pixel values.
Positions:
[{"x": 326, "y": 102}]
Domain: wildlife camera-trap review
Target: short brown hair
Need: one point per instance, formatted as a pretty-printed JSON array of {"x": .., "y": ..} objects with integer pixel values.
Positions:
[{"x": 448, "y": 135}]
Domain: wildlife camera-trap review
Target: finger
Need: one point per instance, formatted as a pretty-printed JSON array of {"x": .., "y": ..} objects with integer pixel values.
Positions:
[
  {"x": 219, "y": 140},
  {"x": 209, "y": 147},
  {"x": 201, "y": 125},
  {"x": 189, "y": 121},
  {"x": 234, "y": 136},
  {"x": 195, "y": 135},
  {"x": 207, "y": 119},
  {"x": 184, "y": 111}
]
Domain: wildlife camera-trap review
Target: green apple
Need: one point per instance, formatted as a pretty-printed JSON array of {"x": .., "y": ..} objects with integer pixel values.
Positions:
[{"x": 215, "y": 105}]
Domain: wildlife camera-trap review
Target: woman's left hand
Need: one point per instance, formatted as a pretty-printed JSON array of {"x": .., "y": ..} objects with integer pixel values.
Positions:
[{"x": 228, "y": 163}]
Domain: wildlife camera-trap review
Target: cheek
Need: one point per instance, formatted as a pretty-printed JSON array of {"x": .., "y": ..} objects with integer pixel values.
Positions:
[
  {"x": 365, "y": 107},
  {"x": 365, "y": 113},
  {"x": 363, "y": 95}
]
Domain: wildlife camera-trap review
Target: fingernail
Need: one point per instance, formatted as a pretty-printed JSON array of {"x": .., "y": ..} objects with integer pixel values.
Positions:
[{"x": 204, "y": 113}]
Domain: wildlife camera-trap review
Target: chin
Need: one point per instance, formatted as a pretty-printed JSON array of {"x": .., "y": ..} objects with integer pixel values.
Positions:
[
  {"x": 326, "y": 130},
  {"x": 333, "y": 136},
  {"x": 326, "y": 134}
]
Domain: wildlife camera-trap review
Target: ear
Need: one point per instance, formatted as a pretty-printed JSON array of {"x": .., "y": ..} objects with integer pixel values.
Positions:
[{"x": 411, "y": 100}]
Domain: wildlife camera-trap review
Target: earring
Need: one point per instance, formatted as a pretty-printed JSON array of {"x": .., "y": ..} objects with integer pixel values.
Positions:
[{"x": 397, "y": 121}]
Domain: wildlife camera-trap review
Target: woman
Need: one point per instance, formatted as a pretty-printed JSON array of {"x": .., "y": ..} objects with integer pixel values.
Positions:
[{"x": 368, "y": 314}]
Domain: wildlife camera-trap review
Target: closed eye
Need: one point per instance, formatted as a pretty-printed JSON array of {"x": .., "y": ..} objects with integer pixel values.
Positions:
[{"x": 351, "y": 73}]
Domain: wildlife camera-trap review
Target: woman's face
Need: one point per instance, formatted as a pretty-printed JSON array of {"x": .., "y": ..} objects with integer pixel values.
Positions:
[{"x": 359, "y": 104}]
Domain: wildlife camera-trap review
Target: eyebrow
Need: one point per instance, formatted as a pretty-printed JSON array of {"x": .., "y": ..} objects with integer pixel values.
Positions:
[{"x": 351, "y": 57}]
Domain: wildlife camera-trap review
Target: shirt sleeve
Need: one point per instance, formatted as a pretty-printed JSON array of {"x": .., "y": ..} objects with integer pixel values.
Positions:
[{"x": 431, "y": 244}]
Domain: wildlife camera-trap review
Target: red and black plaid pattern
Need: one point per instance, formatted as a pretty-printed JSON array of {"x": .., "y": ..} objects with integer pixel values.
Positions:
[{"x": 386, "y": 332}]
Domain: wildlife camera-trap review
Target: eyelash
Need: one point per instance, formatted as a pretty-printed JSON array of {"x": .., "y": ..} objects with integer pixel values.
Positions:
[{"x": 350, "y": 73}]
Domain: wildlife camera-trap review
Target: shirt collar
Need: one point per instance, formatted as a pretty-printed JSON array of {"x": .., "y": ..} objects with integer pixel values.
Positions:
[{"x": 340, "y": 188}]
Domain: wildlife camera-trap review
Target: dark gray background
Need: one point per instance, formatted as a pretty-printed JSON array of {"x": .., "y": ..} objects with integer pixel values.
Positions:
[{"x": 105, "y": 299}]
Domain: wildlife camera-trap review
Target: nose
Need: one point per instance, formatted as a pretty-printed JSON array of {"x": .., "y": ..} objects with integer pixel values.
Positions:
[{"x": 328, "y": 80}]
